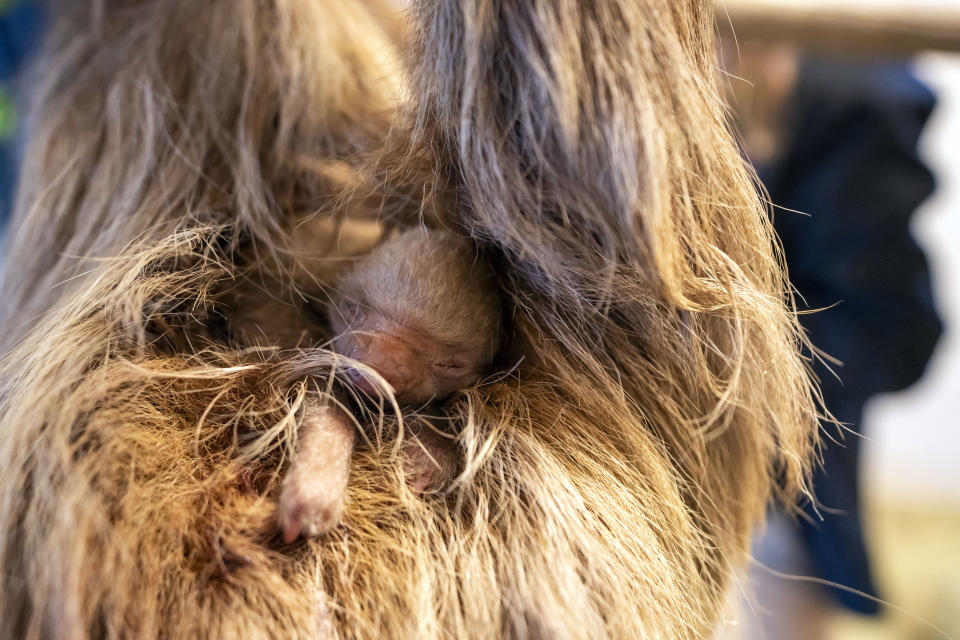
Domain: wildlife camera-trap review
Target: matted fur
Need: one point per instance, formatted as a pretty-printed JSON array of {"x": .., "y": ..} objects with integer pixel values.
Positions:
[{"x": 609, "y": 483}]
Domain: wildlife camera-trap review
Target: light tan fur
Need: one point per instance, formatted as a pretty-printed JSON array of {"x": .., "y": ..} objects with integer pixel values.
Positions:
[{"x": 608, "y": 485}]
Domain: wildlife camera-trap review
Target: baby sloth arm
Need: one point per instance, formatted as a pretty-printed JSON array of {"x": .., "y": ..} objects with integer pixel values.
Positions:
[{"x": 311, "y": 498}]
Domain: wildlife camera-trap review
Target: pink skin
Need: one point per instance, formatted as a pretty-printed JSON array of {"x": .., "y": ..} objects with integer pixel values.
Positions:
[
  {"x": 311, "y": 499},
  {"x": 389, "y": 355},
  {"x": 429, "y": 459},
  {"x": 419, "y": 367}
]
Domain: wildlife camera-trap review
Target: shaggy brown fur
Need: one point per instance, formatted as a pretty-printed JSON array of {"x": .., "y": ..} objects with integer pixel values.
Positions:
[{"x": 608, "y": 485}]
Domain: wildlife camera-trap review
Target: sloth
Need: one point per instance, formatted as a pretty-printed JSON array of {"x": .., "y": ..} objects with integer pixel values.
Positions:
[
  {"x": 422, "y": 312},
  {"x": 607, "y": 489}
]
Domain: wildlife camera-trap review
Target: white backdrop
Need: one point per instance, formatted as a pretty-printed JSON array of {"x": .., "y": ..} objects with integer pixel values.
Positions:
[{"x": 913, "y": 437}]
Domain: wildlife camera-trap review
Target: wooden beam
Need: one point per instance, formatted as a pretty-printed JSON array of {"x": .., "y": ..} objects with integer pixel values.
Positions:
[{"x": 844, "y": 26}]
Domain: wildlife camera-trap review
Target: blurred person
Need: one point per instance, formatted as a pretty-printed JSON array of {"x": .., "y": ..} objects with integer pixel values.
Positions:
[
  {"x": 20, "y": 23},
  {"x": 835, "y": 145}
]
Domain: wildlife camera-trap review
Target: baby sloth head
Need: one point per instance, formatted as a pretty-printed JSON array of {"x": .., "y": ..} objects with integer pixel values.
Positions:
[{"x": 421, "y": 309}]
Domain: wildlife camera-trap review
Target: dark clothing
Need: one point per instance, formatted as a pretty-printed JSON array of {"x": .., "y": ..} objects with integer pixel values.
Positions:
[
  {"x": 20, "y": 27},
  {"x": 851, "y": 163}
]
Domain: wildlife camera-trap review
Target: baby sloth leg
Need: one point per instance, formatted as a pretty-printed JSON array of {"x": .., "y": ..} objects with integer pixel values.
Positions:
[
  {"x": 311, "y": 498},
  {"x": 429, "y": 459}
]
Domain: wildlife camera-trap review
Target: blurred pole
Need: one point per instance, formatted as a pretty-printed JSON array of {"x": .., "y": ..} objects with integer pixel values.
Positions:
[{"x": 844, "y": 26}]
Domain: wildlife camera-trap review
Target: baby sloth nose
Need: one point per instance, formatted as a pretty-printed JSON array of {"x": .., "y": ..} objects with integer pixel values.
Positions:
[{"x": 390, "y": 356}]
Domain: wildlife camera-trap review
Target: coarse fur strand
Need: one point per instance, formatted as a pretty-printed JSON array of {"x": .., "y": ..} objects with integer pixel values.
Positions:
[{"x": 608, "y": 483}]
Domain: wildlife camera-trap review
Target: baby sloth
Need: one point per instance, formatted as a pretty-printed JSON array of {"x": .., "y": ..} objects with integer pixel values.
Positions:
[{"x": 421, "y": 310}]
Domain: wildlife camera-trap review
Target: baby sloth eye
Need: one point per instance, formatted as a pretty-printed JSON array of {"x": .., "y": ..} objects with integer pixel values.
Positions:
[{"x": 449, "y": 367}]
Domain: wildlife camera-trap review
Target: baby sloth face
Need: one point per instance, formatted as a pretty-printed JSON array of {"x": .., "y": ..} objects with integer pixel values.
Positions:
[{"x": 423, "y": 311}]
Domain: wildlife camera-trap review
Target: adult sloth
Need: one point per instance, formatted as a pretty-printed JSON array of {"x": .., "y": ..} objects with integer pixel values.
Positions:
[{"x": 608, "y": 484}]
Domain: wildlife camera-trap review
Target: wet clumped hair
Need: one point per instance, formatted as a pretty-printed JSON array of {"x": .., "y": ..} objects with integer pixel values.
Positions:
[{"x": 608, "y": 484}]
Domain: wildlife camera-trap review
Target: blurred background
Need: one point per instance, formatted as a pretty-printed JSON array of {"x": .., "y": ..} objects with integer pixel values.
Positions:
[{"x": 850, "y": 110}]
